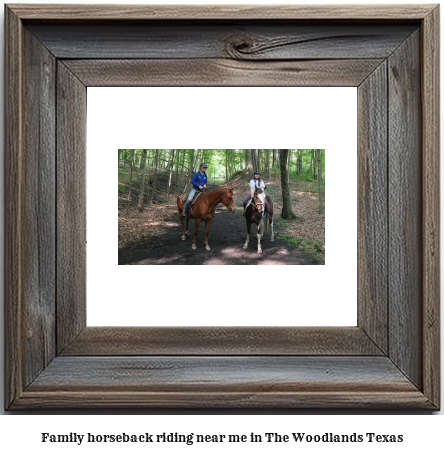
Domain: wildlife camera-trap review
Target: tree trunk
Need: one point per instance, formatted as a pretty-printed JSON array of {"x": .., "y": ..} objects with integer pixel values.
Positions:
[
  {"x": 287, "y": 211},
  {"x": 196, "y": 162},
  {"x": 321, "y": 202},
  {"x": 182, "y": 175},
  {"x": 268, "y": 165},
  {"x": 226, "y": 166},
  {"x": 289, "y": 165},
  {"x": 142, "y": 184},
  {"x": 155, "y": 165},
  {"x": 171, "y": 173},
  {"x": 131, "y": 177},
  {"x": 249, "y": 164},
  {"x": 315, "y": 172},
  {"x": 176, "y": 174}
]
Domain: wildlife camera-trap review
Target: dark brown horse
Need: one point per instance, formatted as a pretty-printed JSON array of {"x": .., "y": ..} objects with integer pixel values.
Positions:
[
  {"x": 254, "y": 214},
  {"x": 203, "y": 210}
]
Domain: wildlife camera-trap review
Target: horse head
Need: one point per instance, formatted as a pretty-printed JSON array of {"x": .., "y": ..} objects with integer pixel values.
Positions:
[
  {"x": 259, "y": 199},
  {"x": 229, "y": 200}
]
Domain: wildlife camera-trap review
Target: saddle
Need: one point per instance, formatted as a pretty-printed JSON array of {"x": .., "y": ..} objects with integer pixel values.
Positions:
[{"x": 196, "y": 195}]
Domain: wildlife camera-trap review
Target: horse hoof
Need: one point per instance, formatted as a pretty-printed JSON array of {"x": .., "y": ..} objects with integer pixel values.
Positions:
[
  {"x": 207, "y": 247},
  {"x": 259, "y": 251},
  {"x": 193, "y": 247},
  {"x": 183, "y": 238},
  {"x": 245, "y": 246},
  {"x": 272, "y": 240}
]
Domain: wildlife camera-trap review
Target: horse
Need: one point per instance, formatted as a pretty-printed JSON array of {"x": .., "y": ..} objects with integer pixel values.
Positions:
[
  {"x": 203, "y": 210},
  {"x": 254, "y": 214}
]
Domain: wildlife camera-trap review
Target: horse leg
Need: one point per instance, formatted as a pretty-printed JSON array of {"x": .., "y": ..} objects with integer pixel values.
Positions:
[
  {"x": 180, "y": 209},
  {"x": 207, "y": 230},
  {"x": 196, "y": 229},
  {"x": 259, "y": 232},
  {"x": 183, "y": 231},
  {"x": 272, "y": 231},
  {"x": 248, "y": 235},
  {"x": 188, "y": 220}
]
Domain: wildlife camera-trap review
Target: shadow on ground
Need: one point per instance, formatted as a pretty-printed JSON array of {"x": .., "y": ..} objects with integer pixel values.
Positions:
[{"x": 227, "y": 236}]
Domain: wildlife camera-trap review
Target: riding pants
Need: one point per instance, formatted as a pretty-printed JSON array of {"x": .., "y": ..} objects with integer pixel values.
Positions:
[{"x": 190, "y": 197}]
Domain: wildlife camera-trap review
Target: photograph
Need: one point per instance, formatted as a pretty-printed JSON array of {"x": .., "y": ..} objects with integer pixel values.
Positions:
[
  {"x": 359, "y": 82},
  {"x": 221, "y": 206}
]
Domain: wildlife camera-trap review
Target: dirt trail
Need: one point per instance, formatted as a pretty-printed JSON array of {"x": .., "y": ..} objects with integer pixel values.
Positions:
[{"x": 227, "y": 236}]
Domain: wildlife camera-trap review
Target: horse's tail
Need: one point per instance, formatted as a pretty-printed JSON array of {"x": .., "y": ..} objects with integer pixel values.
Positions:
[{"x": 180, "y": 203}]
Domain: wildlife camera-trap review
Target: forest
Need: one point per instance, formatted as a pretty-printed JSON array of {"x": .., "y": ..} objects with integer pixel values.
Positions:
[{"x": 150, "y": 180}]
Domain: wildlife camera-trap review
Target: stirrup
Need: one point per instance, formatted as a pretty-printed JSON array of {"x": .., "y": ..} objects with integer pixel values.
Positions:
[
  {"x": 266, "y": 215},
  {"x": 184, "y": 213}
]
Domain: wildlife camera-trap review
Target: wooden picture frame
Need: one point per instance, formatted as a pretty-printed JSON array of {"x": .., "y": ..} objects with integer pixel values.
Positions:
[{"x": 390, "y": 360}]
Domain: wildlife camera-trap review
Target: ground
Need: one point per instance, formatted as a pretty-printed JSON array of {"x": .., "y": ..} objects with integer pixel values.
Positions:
[{"x": 154, "y": 236}]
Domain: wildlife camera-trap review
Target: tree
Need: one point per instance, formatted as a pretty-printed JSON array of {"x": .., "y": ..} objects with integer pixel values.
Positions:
[
  {"x": 249, "y": 164},
  {"x": 155, "y": 165},
  {"x": 170, "y": 165},
  {"x": 131, "y": 177},
  {"x": 319, "y": 157},
  {"x": 142, "y": 184},
  {"x": 287, "y": 211},
  {"x": 182, "y": 175}
]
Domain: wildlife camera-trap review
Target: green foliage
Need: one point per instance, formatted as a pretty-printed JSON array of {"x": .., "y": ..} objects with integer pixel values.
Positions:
[
  {"x": 301, "y": 161},
  {"x": 311, "y": 247},
  {"x": 294, "y": 241}
]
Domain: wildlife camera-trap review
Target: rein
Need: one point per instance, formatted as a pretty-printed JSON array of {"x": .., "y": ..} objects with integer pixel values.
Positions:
[{"x": 257, "y": 204}]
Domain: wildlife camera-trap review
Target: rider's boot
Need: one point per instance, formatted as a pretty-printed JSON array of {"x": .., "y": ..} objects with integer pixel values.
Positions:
[{"x": 184, "y": 213}]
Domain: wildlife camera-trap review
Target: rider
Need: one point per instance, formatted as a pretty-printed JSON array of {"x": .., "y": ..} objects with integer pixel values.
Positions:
[
  {"x": 199, "y": 183},
  {"x": 256, "y": 182}
]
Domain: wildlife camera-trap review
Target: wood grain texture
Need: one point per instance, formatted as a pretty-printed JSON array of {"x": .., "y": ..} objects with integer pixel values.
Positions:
[
  {"x": 220, "y": 12},
  {"x": 405, "y": 209},
  {"x": 258, "y": 40},
  {"x": 221, "y": 72},
  {"x": 233, "y": 382},
  {"x": 372, "y": 207},
  {"x": 39, "y": 207},
  {"x": 13, "y": 210},
  {"x": 127, "y": 341},
  {"x": 408, "y": 377},
  {"x": 71, "y": 206},
  {"x": 430, "y": 93}
]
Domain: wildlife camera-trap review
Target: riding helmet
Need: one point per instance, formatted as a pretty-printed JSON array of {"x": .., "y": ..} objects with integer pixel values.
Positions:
[
  {"x": 204, "y": 164},
  {"x": 258, "y": 172}
]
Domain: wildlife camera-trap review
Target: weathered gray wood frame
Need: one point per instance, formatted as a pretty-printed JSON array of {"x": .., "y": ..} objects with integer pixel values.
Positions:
[{"x": 390, "y": 360}]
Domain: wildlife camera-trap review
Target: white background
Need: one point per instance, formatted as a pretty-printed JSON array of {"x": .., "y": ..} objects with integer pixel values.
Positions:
[
  {"x": 20, "y": 434},
  {"x": 231, "y": 117}
]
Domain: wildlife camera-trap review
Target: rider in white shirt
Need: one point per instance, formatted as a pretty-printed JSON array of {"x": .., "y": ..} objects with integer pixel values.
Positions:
[{"x": 256, "y": 182}]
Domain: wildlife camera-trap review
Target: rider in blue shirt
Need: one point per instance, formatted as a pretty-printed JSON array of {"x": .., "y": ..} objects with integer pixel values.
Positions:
[{"x": 199, "y": 183}]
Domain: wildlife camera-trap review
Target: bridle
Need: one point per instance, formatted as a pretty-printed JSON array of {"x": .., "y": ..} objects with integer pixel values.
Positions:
[
  {"x": 228, "y": 199},
  {"x": 257, "y": 204}
]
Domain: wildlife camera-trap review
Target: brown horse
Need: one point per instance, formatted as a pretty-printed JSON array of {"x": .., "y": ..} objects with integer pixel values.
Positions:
[
  {"x": 203, "y": 210},
  {"x": 254, "y": 214}
]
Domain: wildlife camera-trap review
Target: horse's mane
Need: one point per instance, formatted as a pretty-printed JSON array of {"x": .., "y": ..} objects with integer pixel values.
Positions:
[{"x": 218, "y": 190}]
